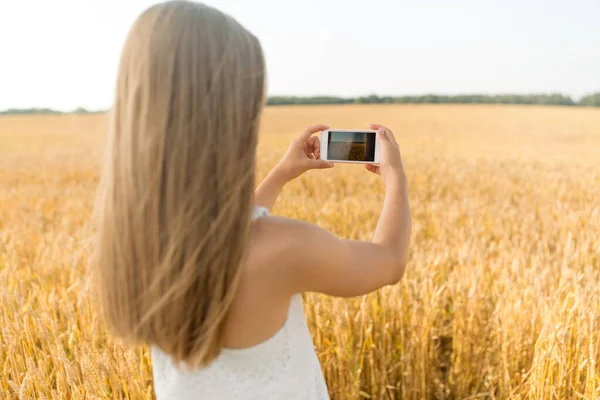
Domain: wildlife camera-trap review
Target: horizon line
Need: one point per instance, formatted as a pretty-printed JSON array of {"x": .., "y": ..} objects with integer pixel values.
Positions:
[{"x": 574, "y": 99}]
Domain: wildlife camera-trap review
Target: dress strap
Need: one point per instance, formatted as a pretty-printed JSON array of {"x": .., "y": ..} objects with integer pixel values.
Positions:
[{"x": 260, "y": 212}]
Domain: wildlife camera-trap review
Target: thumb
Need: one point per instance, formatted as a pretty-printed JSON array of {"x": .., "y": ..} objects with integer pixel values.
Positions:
[
  {"x": 319, "y": 164},
  {"x": 382, "y": 136}
]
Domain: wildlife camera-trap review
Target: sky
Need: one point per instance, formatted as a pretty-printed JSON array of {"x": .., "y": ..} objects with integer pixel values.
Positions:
[{"x": 64, "y": 54}]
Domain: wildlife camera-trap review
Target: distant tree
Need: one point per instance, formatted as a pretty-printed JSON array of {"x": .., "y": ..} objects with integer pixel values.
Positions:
[
  {"x": 80, "y": 110},
  {"x": 18, "y": 111},
  {"x": 291, "y": 100},
  {"x": 590, "y": 100},
  {"x": 371, "y": 99}
]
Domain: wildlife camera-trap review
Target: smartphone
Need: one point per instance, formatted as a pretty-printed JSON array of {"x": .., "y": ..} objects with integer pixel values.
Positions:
[{"x": 350, "y": 146}]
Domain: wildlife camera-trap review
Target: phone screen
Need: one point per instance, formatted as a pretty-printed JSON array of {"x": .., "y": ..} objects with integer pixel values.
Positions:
[{"x": 351, "y": 146}]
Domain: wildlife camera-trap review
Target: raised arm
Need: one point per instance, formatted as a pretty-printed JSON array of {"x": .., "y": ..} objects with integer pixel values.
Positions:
[
  {"x": 302, "y": 155},
  {"x": 313, "y": 259},
  {"x": 395, "y": 223}
]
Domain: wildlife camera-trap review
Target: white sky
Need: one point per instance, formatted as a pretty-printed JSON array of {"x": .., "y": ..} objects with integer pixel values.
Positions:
[{"x": 64, "y": 53}]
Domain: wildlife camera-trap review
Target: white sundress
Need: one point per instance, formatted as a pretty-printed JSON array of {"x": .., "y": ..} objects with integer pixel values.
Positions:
[{"x": 285, "y": 366}]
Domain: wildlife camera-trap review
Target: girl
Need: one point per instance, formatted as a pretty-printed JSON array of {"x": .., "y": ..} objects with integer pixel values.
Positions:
[{"x": 188, "y": 259}]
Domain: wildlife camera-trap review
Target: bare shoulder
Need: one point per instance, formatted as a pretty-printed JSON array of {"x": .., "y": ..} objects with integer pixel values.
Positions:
[
  {"x": 290, "y": 255},
  {"x": 271, "y": 256},
  {"x": 277, "y": 242}
]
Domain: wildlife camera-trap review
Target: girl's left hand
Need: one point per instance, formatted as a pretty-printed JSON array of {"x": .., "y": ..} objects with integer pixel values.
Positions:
[{"x": 303, "y": 154}]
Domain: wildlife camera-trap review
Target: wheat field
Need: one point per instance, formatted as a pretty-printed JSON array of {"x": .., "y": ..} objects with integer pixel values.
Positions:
[{"x": 501, "y": 298}]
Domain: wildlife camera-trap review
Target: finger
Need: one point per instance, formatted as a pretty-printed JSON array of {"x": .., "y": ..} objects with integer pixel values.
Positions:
[
  {"x": 376, "y": 127},
  {"x": 314, "y": 146},
  {"x": 390, "y": 136},
  {"x": 372, "y": 168},
  {"x": 320, "y": 164},
  {"x": 312, "y": 143},
  {"x": 388, "y": 132},
  {"x": 381, "y": 135},
  {"x": 311, "y": 130}
]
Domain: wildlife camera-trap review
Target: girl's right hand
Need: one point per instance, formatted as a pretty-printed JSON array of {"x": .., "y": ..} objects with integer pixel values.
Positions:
[{"x": 390, "y": 165}]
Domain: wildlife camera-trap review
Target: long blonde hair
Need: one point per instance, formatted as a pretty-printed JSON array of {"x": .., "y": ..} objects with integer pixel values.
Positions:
[{"x": 174, "y": 205}]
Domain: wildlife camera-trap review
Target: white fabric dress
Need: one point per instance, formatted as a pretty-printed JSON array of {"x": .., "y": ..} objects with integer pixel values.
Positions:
[{"x": 284, "y": 366}]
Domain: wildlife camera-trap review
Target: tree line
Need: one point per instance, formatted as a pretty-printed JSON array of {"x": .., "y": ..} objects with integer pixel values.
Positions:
[
  {"x": 30, "y": 111},
  {"x": 592, "y": 100},
  {"x": 18, "y": 111},
  {"x": 540, "y": 99}
]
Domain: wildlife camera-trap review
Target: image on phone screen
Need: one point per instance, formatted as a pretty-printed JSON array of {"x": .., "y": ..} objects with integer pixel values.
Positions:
[{"x": 351, "y": 146}]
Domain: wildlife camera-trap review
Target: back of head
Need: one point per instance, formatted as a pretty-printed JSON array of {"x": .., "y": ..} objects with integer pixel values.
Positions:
[{"x": 174, "y": 204}]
